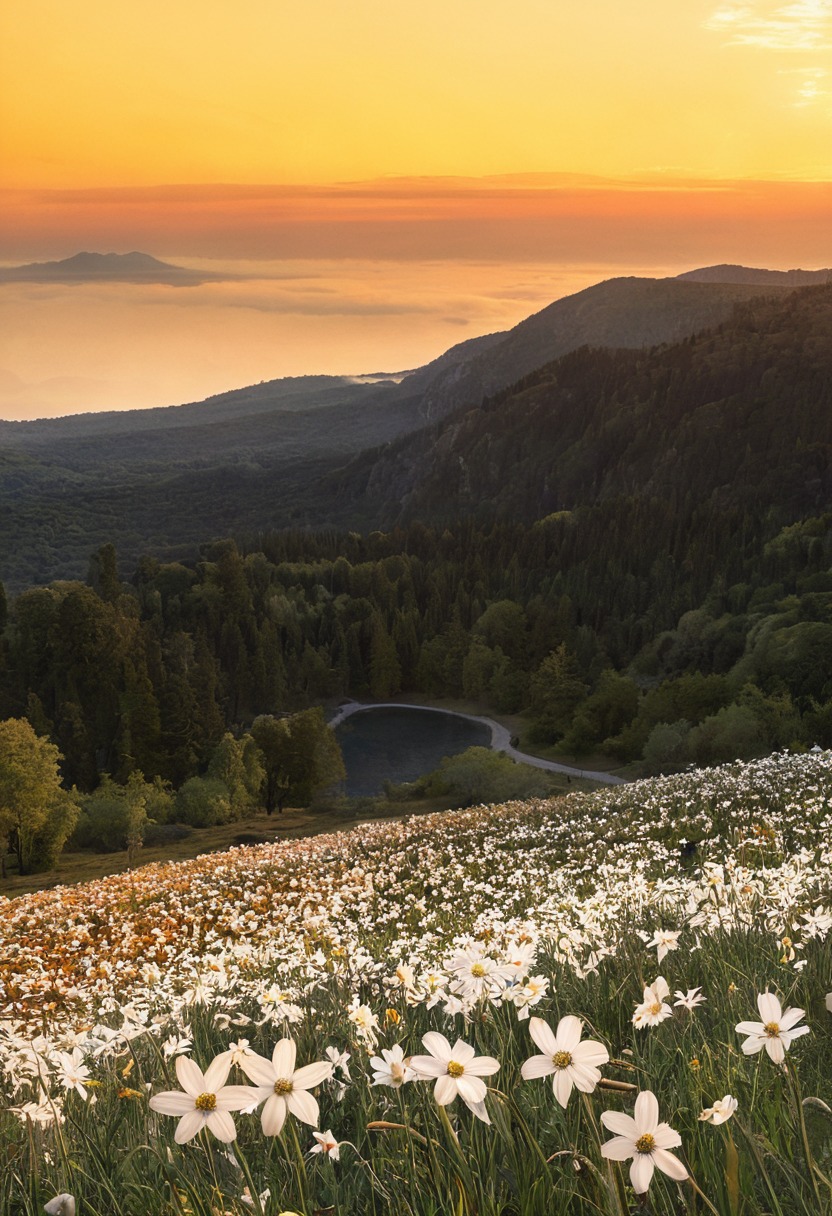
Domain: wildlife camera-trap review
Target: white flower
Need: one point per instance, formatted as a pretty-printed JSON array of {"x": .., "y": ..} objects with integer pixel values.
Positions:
[
  {"x": 458, "y": 1071},
  {"x": 571, "y": 1061},
  {"x": 689, "y": 999},
  {"x": 284, "y": 1089},
  {"x": 829, "y": 1001},
  {"x": 340, "y": 1060},
  {"x": 653, "y": 1008},
  {"x": 775, "y": 1032},
  {"x": 645, "y": 1140},
  {"x": 239, "y": 1050},
  {"x": 61, "y": 1205},
  {"x": 264, "y": 1197},
  {"x": 393, "y": 1069},
  {"x": 721, "y": 1111},
  {"x": 206, "y": 1101},
  {"x": 327, "y": 1144},
  {"x": 72, "y": 1073},
  {"x": 665, "y": 940},
  {"x": 530, "y": 993}
]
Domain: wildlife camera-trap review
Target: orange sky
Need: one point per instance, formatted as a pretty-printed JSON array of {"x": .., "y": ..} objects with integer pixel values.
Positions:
[{"x": 545, "y": 133}]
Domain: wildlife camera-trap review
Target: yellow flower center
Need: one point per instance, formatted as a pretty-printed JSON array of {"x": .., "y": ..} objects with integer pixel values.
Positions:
[
  {"x": 283, "y": 1086},
  {"x": 656, "y": 1008},
  {"x": 206, "y": 1102},
  {"x": 772, "y": 1029},
  {"x": 454, "y": 1069},
  {"x": 645, "y": 1143},
  {"x": 562, "y": 1059},
  {"x": 478, "y": 970}
]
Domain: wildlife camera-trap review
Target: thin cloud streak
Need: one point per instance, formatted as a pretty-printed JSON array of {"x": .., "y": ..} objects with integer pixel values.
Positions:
[{"x": 805, "y": 25}]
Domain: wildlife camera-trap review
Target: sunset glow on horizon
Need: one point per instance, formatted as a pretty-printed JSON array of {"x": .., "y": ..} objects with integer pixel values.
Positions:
[{"x": 549, "y": 133}]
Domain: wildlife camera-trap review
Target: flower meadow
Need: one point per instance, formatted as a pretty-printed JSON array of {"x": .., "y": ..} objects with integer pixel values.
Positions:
[{"x": 607, "y": 1003}]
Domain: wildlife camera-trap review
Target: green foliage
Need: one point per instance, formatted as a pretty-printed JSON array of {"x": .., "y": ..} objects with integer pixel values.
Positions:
[
  {"x": 116, "y": 816},
  {"x": 480, "y": 775},
  {"x": 36, "y": 814},
  {"x": 300, "y": 757},
  {"x": 202, "y": 802}
]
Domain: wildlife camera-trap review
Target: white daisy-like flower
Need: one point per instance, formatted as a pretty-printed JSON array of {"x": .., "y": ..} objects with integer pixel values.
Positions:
[
  {"x": 391, "y": 1067},
  {"x": 776, "y": 1030},
  {"x": 326, "y": 1144},
  {"x": 644, "y": 1139},
  {"x": 72, "y": 1072},
  {"x": 664, "y": 941},
  {"x": 689, "y": 999},
  {"x": 565, "y": 1058},
  {"x": 206, "y": 1101},
  {"x": 458, "y": 1071},
  {"x": 284, "y": 1089},
  {"x": 654, "y": 1009},
  {"x": 721, "y": 1111},
  {"x": 829, "y": 1001}
]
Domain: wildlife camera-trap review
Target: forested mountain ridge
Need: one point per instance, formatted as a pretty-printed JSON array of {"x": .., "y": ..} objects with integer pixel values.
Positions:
[
  {"x": 164, "y": 480},
  {"x": 633, "y": 547},
  {"x": 737, "y": 417}
]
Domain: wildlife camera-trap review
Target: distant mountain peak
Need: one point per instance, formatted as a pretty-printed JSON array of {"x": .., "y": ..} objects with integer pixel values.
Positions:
[{"x": 90, "y": 267}]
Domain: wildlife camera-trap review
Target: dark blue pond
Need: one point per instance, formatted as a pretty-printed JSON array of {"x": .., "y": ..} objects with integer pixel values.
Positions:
[{"x": 401, "y": 744}]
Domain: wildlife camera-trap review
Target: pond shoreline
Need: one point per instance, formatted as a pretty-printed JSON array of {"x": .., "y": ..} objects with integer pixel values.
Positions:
[{"x": 500, "y": 737}]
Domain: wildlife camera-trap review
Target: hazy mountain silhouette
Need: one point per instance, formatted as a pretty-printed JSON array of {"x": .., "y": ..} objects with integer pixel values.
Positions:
[
  {"x": 761, "y": 278},
  {"x": 108, "y": 268},
  {"x": 267, "y": 456}
]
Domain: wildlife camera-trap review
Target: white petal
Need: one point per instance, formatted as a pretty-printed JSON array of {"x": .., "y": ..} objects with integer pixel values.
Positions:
[
  {"x": 259, "y": 1070},
  {"x": 619, "y": 1123},
  {"x": 437, "y": 1045},
  {"x": 303, "y": 1106},
  {"x": 585, "y": 1077},
  {"x": 641, "y": 1172},
  {"x": 562, "y": 1085},
  {"x": 445, "y": 1090},
  {"x": 750, "y": 1028},
  {"x": 751, "y": 1046},
  {"x": 190, "y": 1076},
  {"x": 237, "y": 1097},
  {"x": 462, "y": 1052},
  {"x": 471, "y": 1089},
  {"x": 283, "y": 1058},
  {"x": 537, "y": 1066},
  {"x": 776, "y": 1050},
  {"x": 646, "y": 1112},
  {"x": 478, "y": 1109},
  {"x": 273, "y": 1115},
  {"x": 618, "y": 1149},
  {"x": 311, "y": 1075},
  {"x": 769, "y": 1007},
  {"x": 429, "y": 1066},
  {"x": 222, "y": 1125},
  {"x": 790, "y": 1018},
  {"x": 590, "y": 1052},
  {"x": 189, "y": 1125},
  {"x": 568, "y": 1033},
  {"x": 542, "y": 1035},
  {"x": 481, "y": 1066},
  {"x": 669, "y": 1165},
  {"x": 217, "y": 1072},
  {"x": 173, "y": 1102},
  {"x": 665, "y": 1137}
]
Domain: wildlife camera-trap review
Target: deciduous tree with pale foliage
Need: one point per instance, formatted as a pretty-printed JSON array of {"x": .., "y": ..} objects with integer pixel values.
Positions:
[{"x": 36, "y": 813}]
